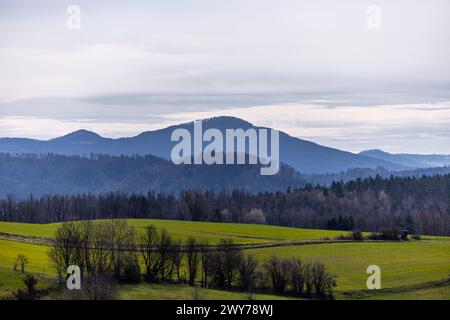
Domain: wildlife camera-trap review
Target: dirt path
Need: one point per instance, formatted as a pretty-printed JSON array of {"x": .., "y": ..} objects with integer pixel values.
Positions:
[
  {"x": 48, "y": 241},
  {"x": 25, "y": 239}
]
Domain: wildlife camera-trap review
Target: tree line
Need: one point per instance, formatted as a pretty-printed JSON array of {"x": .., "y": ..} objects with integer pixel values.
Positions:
[
  {"x": 420, "y": 205},
  {"x": 111, "y": 251}
]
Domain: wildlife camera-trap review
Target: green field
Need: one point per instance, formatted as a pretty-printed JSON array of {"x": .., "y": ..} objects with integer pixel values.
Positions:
[
  {"x": 182, "y": 292},
  {"x": 37, "y": 255},
  {"x": 210, "y": 231},
  {"x": 409, "y": 269},
  {"x": 400, "y": 263}
]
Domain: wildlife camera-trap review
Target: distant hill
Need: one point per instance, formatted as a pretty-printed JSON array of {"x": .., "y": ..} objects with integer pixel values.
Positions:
[
  {"x": 59, "y": 174},
  {"x": 304, "y": 156},
  {"x": 410, "y": 160},
  {"x": 22, "y": 175}
]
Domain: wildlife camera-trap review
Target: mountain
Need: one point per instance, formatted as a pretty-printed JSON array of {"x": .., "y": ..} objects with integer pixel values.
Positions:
[
  {"x": 79, "y": 137},
  {"x": 410, "y": 160},
  {"x": 304, "y": 156}
]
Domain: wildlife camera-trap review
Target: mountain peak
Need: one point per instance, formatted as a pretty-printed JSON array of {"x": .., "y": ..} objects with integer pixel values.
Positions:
[
  {"x": 80, "y": 136},
  {"x": 226, "y": 122},
  {"x": 373, "y": 152}
]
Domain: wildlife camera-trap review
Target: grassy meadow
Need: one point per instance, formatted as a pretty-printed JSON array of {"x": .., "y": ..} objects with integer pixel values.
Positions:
[
  {"x": 210, "y": 231},
  {"x": 409, "y": 269}
]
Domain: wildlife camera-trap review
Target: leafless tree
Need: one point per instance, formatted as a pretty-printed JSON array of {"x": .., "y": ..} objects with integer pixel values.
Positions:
[
  {"x": 225, "y": 262},
  {"x": 177, "y": 258},
  {"x": 192, "y": 259},
  {"x": 149, "y": 252},
  {"x": 323, "y": 282},
  {"x": 278, "y": 271},
  {"x": 248, "y": 273},
  {"x": 297, "y": 276},
  {"x": 165, "y": 252},
  {"x": 21, "y": 262},
  {"x": 65, "y": 243},
  {"x": 205, "y": 258}
]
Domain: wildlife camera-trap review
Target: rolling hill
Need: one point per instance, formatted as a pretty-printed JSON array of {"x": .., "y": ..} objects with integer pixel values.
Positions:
[
  {"x": 410, "y": 160},
  {"x": 408, "y": 267}
]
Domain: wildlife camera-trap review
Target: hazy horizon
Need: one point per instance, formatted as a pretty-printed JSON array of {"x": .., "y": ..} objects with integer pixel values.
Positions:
[{"x": 311, "y": 69}]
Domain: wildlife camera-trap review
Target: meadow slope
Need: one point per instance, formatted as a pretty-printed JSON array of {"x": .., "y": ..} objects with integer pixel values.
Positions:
[{"x": 407, "y": 267}]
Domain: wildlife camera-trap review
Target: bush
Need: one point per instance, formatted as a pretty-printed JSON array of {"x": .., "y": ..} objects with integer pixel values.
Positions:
[
  {"x": 96, "y": 287},
  {"x": 392, "y": 234},
  {"x": 30, "y": 282},
  {"x": 357, "y": 235},
  {"x": 132, "y": 272},
  {"x": 294, "y": 277}
]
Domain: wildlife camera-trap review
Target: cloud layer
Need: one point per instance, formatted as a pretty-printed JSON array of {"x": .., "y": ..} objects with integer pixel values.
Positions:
[{"x": 311, "y": 68}]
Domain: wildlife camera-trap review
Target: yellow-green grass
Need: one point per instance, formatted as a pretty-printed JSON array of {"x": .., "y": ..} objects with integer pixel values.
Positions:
[
  {"x": 183, "y": 292},
  {"x": 11, "y": 281},
  {"x": 210, "y": 231},
  {"x": 29, "y": 229},
  {"x": 438, "y": 238},
  {"x": 247, "y": 233},
  {"x": 38, "y": 261},
  {"x": 439, "y": 293},
  {"x": 401, "y": 263},
  {"x": 38, "y": 264}
]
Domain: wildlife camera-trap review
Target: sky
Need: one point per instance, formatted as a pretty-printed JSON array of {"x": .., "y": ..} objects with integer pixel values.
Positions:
[{"x": 313, "y": 69}]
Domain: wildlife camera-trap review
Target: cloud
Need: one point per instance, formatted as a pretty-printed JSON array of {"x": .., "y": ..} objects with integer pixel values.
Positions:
[
  {"x": 237, "y": 46},
  {"x": 417, "y": 128},
  {"x": 310, "y": 68},
  {"x": 414, "y": 128}
]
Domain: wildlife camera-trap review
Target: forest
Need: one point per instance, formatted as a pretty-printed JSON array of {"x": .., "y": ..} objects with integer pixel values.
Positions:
[
  {"x": 418, "y": 204},
  {"x": 41, "y": 174}
]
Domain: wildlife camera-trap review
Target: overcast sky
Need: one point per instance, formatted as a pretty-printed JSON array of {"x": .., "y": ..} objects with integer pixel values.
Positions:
[{"x": 310, "y": 68}]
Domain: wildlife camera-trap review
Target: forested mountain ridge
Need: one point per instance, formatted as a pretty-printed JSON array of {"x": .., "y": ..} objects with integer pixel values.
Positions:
[
  {"x": 23, "y": 175},
  {"x": 304, "y": 156}
]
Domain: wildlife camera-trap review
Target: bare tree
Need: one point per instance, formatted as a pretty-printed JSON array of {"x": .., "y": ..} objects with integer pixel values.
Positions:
[
  {"x": 148, "y": 248},
  {"x": 165, "y": 250},
  {"x": 194, "y": 202},
  {"x": 177, "y": 258},
  {"x": 248, "y": 273},
  {"x": 192, "y": 256},
  {"x": 225, "y": 262},
  {"x": 323, "y": 282},
  {"x": 297, "y": 276},
  {"x": 121, "y": 239},
  {"x": 62, "y": 252},
  {"x": 30, "y": 282},
  {"x": 22, "y": 262},
  {"x": 205, "y": 258},
  {"x": 278, "y": 272}
]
